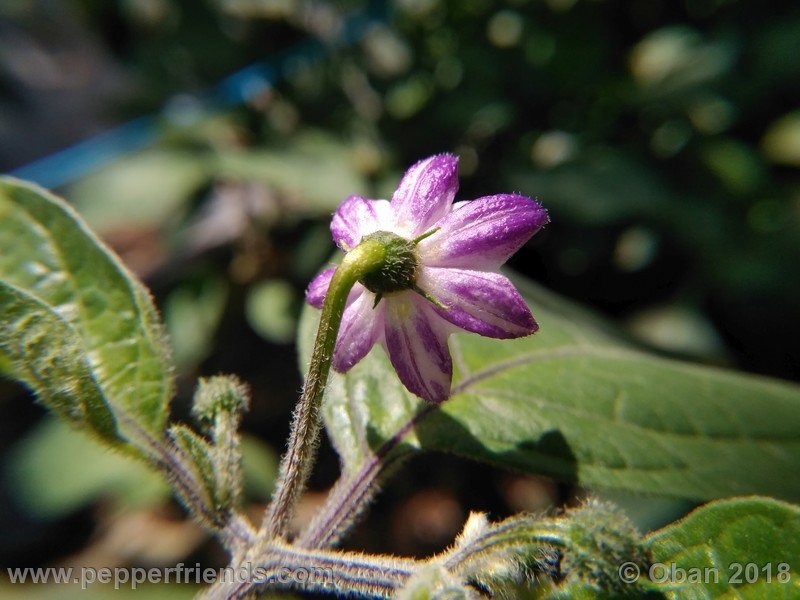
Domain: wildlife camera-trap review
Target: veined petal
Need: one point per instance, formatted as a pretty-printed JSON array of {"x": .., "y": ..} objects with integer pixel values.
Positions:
[
  {"x": 416, "y": 342},
  {"x": 357, "y": 217},
  {"x": 316, "y": 290},
  {"x": 479, "y": 301},
  {"x": 484, "y": 233},
  {"x": 361, "y": 327},
  {"x": 425, "y": 193}
]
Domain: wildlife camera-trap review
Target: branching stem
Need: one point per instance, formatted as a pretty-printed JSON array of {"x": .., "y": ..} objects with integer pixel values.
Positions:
[
  {"x": 364, "y": 259},
  {"x": 353, "y": 492},
  {"x": 281, "y": 566}
]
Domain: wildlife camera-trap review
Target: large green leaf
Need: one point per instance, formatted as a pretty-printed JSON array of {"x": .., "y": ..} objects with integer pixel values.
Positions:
[
  {"x": 742, "y": 548},
  {"x": 77, "y": 326},
  {"x": 577, "y": 402},
  {"x": 38, "y": 347}
]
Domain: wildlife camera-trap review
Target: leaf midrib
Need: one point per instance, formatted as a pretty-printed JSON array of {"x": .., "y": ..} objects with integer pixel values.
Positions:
[{"x": 77, "y": 298}]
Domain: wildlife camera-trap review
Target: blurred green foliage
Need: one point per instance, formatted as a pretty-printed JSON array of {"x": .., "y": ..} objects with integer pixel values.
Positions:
[
  {"x": 662, "y": 136},
  {"x": 56, "y": 470}
]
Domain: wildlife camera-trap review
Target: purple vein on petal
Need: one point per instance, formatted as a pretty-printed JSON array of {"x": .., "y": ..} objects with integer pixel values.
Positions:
[
  {"x": 360, "y": 328},
  {"x": 417, "y": 348},
  {"x": 483, "y": 233},
  {"x": 318, "y": 288},
  {"x": 357, "y": 217},
  {"x": 483, "y": 302},
  {"x": 426, "y": 193}
]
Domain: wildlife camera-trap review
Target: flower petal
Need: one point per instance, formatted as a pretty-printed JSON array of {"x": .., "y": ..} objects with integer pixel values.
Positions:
[
  {"x": 482, "y": 234},
  {"x": 357, "y": 217},
  {"x": 483, "y": 302},
  {"x": 316, "y": 290},
  {"x": 425, "y": 193},
  {"x": 416, "y": 341},
  {"x": 361, "y": 327}
]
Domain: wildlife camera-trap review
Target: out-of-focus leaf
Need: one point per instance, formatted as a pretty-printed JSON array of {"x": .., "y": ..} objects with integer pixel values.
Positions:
[
  {"x": 315, "y": 246},
  {"x": 69, "y": 292},
  {"x": 759, "y": 534},
  {"x": 269, "y": 310},
  {"x": 316, "y": 171},
  {"x": 675, "y": 58},
  {"x": 680, "y": 329},
  {"x": 603, "y": 187},
  {"x": 259, "y": 467},
  {"x": 781, "y": 143},
  {"x": 192, "y": 313},
  {"x": 144, "y": 190},
  {"x": 575, "y": 403},
  {"x": 55, "y": 470},
  {"x": 405, "y": 99},
  {"x": 738, "y": 167},
  {"x": 598, "y": 188}
]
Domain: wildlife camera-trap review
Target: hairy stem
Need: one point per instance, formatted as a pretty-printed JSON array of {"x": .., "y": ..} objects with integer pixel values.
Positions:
[
  {"x": 280, "y": 566},
  {"x": 296, "y": 463},
  {"x": 517, "y": 532},
  {"x": 235, "y": 532},
  {"x": 352, "y": 493}
]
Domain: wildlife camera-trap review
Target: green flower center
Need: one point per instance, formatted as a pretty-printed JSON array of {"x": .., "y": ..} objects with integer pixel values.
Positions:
[{"x": 399, "y": 269}]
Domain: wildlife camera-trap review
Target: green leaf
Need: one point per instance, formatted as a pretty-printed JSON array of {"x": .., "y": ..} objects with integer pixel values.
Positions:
[
  {"x": 715, "y": 538},
  {"x": 192, "y": 314},
  {"x": 40, "y": 348},
  {"x": 198, "y": 455},
  {"x": 54, "y": 471},
  {"x": 269, "y": 310},
  {"x": 315, "y": 170},
  {"x": 78, "y": 328},
  {"x": 149, "y": 188},
  {"x": 259, "y": 468},
  {"x": 579, "y": 403}
]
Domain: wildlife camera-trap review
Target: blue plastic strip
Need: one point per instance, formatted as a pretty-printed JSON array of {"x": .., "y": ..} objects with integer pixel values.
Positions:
[{"x": 73, "y": 162}]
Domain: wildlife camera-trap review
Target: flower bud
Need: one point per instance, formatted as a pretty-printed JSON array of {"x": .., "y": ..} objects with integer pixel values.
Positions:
[{"x": 221, "y": 393}]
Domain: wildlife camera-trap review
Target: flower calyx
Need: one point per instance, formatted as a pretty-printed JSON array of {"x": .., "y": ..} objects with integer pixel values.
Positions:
[{"x": 398, "y": 270}]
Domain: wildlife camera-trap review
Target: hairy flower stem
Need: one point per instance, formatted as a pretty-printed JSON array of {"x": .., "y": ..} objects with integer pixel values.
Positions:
[{"x": 363, "y": 260}]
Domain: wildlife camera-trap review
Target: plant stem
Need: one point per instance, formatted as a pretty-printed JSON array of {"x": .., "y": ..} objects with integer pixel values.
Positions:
[
  {"x": 516, "y": 533},
  {"x": 280, "y": 566},
  {"x": 353, "y": 492},
  {"x": 295, "y": 467},
  {"x": 235, "y": 532}
]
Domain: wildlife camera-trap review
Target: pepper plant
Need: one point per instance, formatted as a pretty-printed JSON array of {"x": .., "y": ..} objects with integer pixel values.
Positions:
[{"x": 420, "y": 277}]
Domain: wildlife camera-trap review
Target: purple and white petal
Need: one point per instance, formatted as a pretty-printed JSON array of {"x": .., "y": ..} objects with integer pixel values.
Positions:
[
  {"x": 362, "y": 326},
  {"x": 357, "y": 217},
  {"x": 484, "y": 233},
  {"x": 416, "y": 342},
  {"x": 316, "y": 290},
  {"x": 425, "y": 194},
  {"x": 483, "y": 302}
]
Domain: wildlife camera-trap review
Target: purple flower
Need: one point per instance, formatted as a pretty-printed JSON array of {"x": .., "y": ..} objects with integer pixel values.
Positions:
[{"x": 457, "y": 285}]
